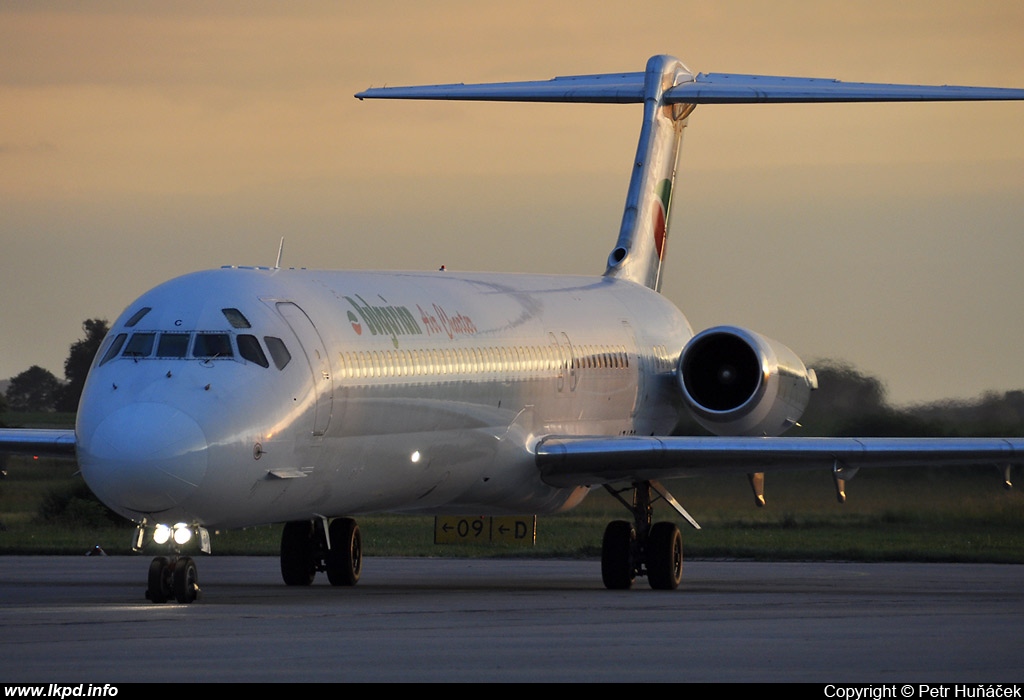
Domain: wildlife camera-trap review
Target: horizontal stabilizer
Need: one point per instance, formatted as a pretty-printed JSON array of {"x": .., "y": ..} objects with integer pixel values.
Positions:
[
  {"x": 725, "y": 88},
  {"x": 609, "y": 87},
  {"x": 702, "y": 88}
]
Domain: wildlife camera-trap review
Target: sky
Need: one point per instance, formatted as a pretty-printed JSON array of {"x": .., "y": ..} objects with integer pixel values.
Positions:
[{"x": 144, "y": 140}]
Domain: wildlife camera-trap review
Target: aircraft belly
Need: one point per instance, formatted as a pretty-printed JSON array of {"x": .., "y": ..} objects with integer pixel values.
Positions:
[
  {"x": 417, "y": 449},
  {"x": 453, "y": 471},
  {"x": 468, "y": 444}
]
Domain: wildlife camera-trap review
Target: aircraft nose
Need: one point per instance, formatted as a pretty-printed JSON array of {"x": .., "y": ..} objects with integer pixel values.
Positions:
[{"x": 145, "y": 457}]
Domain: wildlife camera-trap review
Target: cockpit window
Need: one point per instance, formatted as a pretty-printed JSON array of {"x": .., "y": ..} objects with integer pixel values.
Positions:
[
  {"x": 140, "y": 345},
  {"x": 136, "y": 317},
  {"x": 278, "y": 351},
  {"x": 172, "y": 345},
  {"x": 210, "y": 345},
  {"x": 236, "y": 318},
  {"x": 115, "y": 347},
  {"x": 205, "y": 345},
  {"x": 250, "y": 350}
]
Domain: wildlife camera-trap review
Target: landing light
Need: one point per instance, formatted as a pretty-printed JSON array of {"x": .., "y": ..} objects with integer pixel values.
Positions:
[
  {"x": 161, "y": 534},
  {"x": 182, "y": 533},
  {"x": 415, "y": 457},
  {"x": 178, "y": 535}
]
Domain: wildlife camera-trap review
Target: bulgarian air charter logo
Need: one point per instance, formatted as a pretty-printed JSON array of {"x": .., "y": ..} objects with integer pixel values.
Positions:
[{"x": 381, "y": 320}]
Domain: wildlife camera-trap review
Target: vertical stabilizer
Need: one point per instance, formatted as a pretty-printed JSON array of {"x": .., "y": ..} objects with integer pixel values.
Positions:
[{"x": 643, "y": 236}]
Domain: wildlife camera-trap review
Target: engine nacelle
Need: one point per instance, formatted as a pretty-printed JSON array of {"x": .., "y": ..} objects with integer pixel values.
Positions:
[{"x": 737, "y": 382}]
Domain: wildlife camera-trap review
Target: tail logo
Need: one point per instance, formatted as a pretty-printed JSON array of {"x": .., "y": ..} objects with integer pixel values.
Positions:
[{"x": 660, "y": 215}]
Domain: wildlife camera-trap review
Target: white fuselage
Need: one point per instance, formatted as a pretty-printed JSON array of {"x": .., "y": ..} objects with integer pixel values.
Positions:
[{"x": 404, "y": 391}]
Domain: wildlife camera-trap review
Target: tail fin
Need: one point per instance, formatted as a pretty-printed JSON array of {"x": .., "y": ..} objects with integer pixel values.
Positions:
[
  {"x": 639, "y": 252},
  {"x": 670, "y": 92}
]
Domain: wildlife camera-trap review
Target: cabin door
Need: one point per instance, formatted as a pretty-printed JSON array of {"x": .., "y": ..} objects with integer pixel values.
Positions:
[{"x": 319, "y": 364}]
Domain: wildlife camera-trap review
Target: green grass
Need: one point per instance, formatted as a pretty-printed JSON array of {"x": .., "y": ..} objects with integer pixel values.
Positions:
[
  {"x": 909, "y": 515},
  {"x": 42, "y": 419}
]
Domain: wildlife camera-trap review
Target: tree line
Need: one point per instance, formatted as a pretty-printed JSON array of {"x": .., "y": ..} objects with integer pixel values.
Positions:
[
  {"x": 38, "y": 390},
  {"x": 849, "y": 403}
]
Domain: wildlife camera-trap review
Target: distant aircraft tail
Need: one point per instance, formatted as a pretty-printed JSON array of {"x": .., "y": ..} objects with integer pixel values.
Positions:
[{"x": 670, "y": 92}]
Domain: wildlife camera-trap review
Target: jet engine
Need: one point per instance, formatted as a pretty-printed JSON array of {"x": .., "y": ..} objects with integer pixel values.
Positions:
[{"x": 737, "y": 382}]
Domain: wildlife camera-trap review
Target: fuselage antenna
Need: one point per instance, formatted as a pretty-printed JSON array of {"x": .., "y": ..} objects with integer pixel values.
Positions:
[{"x": 280, "y": 252}]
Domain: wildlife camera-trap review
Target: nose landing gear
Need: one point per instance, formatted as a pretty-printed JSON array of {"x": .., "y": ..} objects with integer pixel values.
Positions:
[{"x": 174, "y": 576}]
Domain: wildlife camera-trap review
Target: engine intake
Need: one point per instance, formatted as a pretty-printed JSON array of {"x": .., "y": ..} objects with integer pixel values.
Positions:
[{"x": 737, "y": 382}]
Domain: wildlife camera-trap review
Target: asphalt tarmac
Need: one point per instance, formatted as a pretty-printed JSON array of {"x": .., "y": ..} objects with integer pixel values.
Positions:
[{"x": 85, "y": 619}]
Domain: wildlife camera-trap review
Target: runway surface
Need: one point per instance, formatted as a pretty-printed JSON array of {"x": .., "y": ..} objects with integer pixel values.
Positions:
[{"x": 84, "y": 619}]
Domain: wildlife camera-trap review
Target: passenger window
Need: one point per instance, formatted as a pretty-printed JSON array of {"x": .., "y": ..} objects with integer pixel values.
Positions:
[
  {"x": 115, "y": 347},
  {"x": 210, "y": 345},
  {"x": 278, "y": 352},
  {"x": 172, "y": 345},
  {"x": 140, "y": 345},
  {"x": 250, "y": 350}
]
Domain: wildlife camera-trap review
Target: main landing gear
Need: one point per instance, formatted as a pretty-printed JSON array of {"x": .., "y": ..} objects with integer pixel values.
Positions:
[
  {"x": 309, "y": 546},
  {"x": 640, "y": 548}
]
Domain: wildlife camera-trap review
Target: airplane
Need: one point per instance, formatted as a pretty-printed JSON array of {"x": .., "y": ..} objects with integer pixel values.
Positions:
[{"x": 252, "y": 395}]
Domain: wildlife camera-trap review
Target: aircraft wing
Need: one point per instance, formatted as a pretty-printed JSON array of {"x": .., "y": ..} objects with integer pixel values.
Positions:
[
  {"x": 587, "y": 461},
  {"x": 705, "y": 88},
  {"x": 38, "y": 442}
]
